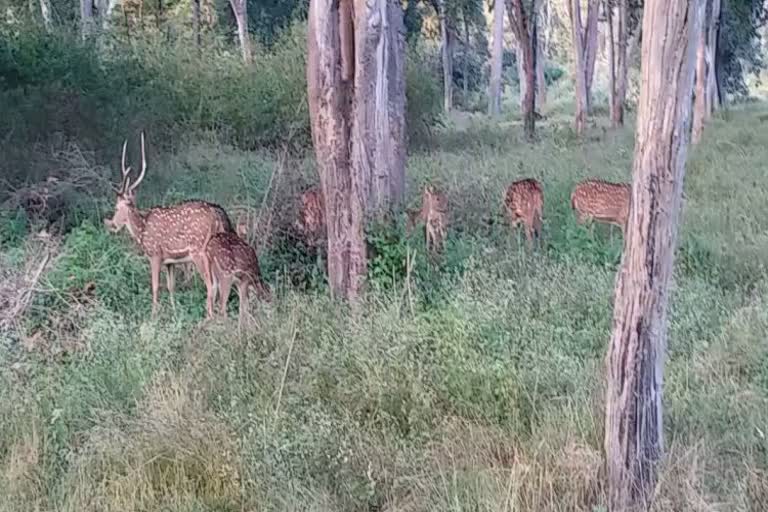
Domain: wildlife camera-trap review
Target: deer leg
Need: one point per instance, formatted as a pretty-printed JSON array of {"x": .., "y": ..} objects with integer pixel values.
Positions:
[
  {"x": 529, "y": 235},
  {"x": 242, "y": 289},
  {"x": 154, "y": 267},
  {"x": 170, "y": 283},
  {"x": 225, "y": 286},
  {"x": 203, "y": 265}
]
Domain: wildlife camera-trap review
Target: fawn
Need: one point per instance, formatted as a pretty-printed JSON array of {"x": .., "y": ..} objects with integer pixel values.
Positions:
[
  {"x": 229, "y": 260},
  {"x": 602, "y": 201},
  {"x": 524, "y": 203},
  {"x": 311, "y": 221},
  {"x": 434, "y": 213},
  {"x": 166, "y": 235}
]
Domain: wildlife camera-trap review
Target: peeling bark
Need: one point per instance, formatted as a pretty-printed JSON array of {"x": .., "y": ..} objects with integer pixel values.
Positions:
[
  {"x": 634, "y": 440},
  {"x": 357, "y": 112}
]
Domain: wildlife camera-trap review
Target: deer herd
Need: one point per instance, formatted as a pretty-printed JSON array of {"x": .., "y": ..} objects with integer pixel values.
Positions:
[{"x": 202, "y": 233}]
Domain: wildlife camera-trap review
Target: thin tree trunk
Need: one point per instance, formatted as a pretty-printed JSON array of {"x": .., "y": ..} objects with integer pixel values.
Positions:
[
  {"x": 521, "y": 78},
  {"x": 465, "y": 81},
  {"x": 45, "y": 12},
  {"x": 526, "y": 35},
  {"x": 617, "y": 46},
  {"x": 239, "y": 9},
  {"x": 497, "y": 52},
  {"x": 700, "y": 89},
  {"x": 582, "y": 104},
  {"x": 86, "y": 18},
  {"x": 590, "y": 48},
  {"x": 712, "y": 33},
  {"x": 541, "y": 83},
  {"x": 634, "y": 441},
  {"x": 447, "y": 53},
  {"x": 196, "y": 23}
]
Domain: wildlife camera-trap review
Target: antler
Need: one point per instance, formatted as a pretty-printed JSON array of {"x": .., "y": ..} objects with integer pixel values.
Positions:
[
  {"x": 125, "y": 180},
  {"x": 131, "y": 188}
]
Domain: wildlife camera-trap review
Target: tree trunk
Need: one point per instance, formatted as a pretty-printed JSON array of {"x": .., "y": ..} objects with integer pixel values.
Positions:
[
  {"x": 618, "y": 35},
  {"x": 356, "y": 95},
  {"x": 465, "y": 80},
  {"x": 700, "y": 89},
  {"x": 447, "y": 53},
  {"x": 541, "y": 83},
  {"x": 379, "y": 129},
  {"x": 712, "y": 33},
  {"x": 634, "y": 441},
  {"x": 196, "y": 23},
  {"x": 497, "y": 52},
  {"x": 45, "y": 11},
  {"x": 574, "y": 12},
  {"x": 526, "y": 35},
  {"x": 239, "y": 9},
  {"x": 590, "y": 48},
  {"x": 86, "y": 18}
]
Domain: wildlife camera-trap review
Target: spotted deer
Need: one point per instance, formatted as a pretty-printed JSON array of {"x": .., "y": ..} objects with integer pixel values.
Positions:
[
  {"x": 524, "y": 204},
  {"x": 311, "y": 216},
  {"x": 434, "y": 213},
  {"x": 602, "y": 201},
  {"x": 166, "y": 235},
  {"x": 229, "y": 260}
]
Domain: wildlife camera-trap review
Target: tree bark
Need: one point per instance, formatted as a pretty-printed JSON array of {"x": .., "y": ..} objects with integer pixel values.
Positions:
[
  {"x": 379, "y": 129},
  {"x": 497, "y": 52},
  {"x": 465, "y": 80},
  {"x": 585, "y": 48},
  {"x": 618, "y": 35},
  {"x": 86, "y": 18},
  {"x": 524, "y": 28},
  {"x": 447, "y": 54},
  {"x": 541, "y": 83},
  {"x": 634, "y": 440},
  {"x": 196, "y": 23},
  {"x": 356, "y": 95},
  {"x": 239, "y": 9},
  {"x": 45, "y": 12},
  {"x": 706, "y": 88}
]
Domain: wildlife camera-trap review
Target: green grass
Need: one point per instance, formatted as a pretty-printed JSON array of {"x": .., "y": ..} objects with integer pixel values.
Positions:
[{"x": 473, "y": 385}]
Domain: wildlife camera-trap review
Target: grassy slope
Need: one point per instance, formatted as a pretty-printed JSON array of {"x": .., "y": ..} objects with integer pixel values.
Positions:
[{"x": 473, "y": 387}]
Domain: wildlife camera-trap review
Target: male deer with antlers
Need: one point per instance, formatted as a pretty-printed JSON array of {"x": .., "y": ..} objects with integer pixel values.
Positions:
[
  {"x": 523, "y": 204},
  {"x": 602, "y": 201},
  {"x": 166, "y": 235}
]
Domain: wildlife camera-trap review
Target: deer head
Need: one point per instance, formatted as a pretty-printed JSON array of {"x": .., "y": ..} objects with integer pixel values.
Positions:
[{"x": 126, "y": 193}]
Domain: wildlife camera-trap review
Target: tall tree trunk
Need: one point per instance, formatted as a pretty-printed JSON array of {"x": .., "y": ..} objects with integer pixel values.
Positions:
[
  {"x": 590, "y": 48},
  {"x": 447, "y": 53},
  {"x": 541, "y": 83},
  {"x": 465, "y": 80},
  {"x": 239, "y": 9},
  {"x": 524, "y": 28},
  {"x": 45, "y": 12},
  {"x": 618, "y": 34},
  {"x": 712, "y": 33},
  {"x": 356, "y": 95},
  {"x": 86, "y": 18},
  {"x": 497, "y": 53},
  {"x": 585, "y": 47},
  {"x": 379, "y": 128},
  {"x": 700, "y": 89},
  {"x": 634, "y": 441},
  {"x": 196, "y": 23}
]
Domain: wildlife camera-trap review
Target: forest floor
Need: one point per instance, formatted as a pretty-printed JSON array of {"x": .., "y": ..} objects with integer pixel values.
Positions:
[{"x": 474, "y": 384}]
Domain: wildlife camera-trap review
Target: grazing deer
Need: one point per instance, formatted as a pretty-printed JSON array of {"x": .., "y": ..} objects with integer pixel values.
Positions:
[
  {"x": 524, "y": 203},
  {"x": 229, "y": 260},
  {"x": 602, "y": 201},
  {"x": 311, "y": 221},
  {"x": 434, "y": 213},
  {"x": 166, "y": 235}
]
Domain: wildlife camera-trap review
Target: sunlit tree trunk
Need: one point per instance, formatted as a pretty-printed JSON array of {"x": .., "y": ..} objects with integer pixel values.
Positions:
[
  {"x": 585, "y": 48},
  {"x": 497, "y": 53},
  {"x": 705, "y": 69},
  {"x": 634, "y": 440},
  {"x": 86, "y": 18},
  {"x": 618, "y": 36},
  {"x": 356, "y": 94},
  {"x": 541, "y": 83},
  {"x": 45, "y": 12},
  {"x": 239, "y": 9}
]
